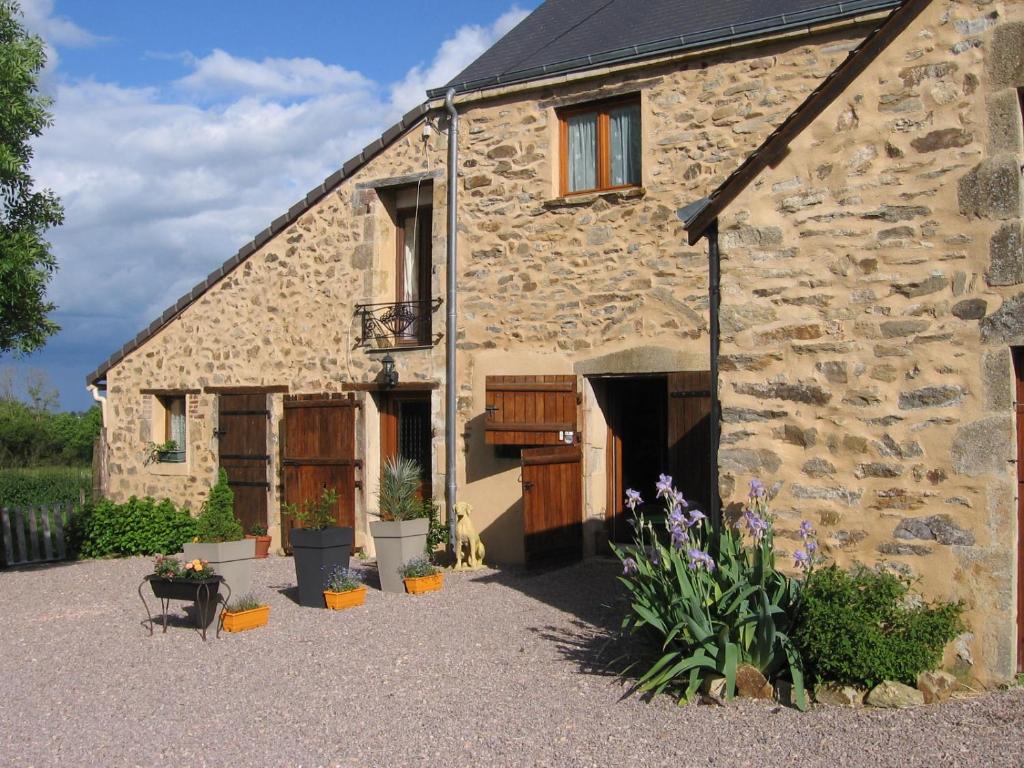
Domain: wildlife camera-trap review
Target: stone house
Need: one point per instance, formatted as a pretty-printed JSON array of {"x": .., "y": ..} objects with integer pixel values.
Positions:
[{"x": 851, "y": 171}]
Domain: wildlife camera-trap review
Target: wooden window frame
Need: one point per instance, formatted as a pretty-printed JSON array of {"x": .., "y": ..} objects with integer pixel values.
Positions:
[
  {"x": 604, "y": 154},
  {"x": 163, "y": 400}
]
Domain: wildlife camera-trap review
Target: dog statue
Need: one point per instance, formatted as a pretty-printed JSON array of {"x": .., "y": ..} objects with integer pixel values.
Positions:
[{"x": 469, "y": 550}]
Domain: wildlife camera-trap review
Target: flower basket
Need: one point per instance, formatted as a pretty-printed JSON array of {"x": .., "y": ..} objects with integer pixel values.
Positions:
[
  {"x": 170, "y": 457},
  {"x": 185, "y": 589},
  {"x": 418, "y": 585},
  {"x": 239, "y": 621},
  {"x": 339, "y": 601}
]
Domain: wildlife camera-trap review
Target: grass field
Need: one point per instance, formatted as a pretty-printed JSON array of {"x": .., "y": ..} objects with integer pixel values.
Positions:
[{"x": 44, "y": 485}]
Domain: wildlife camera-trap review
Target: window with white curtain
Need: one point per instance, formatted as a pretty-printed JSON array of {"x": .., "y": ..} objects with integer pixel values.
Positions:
[{"x": 601, "y": 146}]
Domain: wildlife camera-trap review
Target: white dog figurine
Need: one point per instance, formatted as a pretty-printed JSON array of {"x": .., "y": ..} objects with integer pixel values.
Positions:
[{"x": 469, "y": 550}]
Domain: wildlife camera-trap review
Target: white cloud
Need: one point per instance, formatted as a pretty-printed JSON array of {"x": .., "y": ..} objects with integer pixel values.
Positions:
[{"x": 161, "y": 184}]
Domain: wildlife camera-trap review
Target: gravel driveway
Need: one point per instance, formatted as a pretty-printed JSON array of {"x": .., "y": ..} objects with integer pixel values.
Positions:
[{"x": 501, "y": 668}]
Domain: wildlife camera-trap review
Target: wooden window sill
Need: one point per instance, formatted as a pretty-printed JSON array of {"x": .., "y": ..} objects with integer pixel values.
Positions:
[{"x": 586, "y": 199}]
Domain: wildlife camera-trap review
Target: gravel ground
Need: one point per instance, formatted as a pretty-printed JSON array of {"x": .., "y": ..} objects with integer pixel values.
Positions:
[{"x": 501, "y": 668}]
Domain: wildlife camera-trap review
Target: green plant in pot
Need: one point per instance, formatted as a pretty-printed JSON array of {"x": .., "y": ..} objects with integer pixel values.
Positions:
[
  {"x": 259, "y": 533},
  {"x": 319, "y": 545},
  {"x": 401, "y": 533},
  {"x": 220, "y": 539}
]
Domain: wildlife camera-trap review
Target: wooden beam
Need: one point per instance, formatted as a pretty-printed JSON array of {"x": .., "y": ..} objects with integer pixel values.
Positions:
[
  {"x": 246, "y": 390},
  {"x": 403, "y": 386},
  {"x": 170, "y": 391}
]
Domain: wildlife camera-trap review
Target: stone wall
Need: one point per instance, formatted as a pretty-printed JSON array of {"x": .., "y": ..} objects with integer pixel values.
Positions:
[{"x": 871, "y": 292}]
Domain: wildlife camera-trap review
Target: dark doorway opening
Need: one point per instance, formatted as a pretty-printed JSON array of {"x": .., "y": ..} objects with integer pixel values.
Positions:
[
  {"x": 406, "y": 432},
  {"x": 1018, "y": 400}
]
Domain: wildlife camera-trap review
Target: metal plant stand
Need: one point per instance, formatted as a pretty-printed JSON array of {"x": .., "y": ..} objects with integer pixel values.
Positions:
[{"x": 202, "y": 594}]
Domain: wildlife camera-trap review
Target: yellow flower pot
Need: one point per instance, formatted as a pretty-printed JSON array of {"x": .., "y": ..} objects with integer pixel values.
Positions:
[
  {"x": 339, "y": 601},
  {"x": 418, "y": 585},
  {"x": 239, "y": 621}
]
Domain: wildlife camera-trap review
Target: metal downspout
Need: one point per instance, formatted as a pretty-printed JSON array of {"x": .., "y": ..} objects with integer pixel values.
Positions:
[
  {"x": 451, "y": 331},
  {"x": 714, "y": 298}
]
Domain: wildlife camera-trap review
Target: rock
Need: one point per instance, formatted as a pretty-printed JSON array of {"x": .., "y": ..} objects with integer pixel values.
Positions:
[
  {"x": 893, "y": 695},
  {"x": 894, "y": 329},
  {"x": 847, "y": 496},
  {"x": 474, "y": 182},
  {"x": 946, "y": 138},
  {"x": 835, "y": 695},
  {"x": 749, "y": 460},
  {"x": 892, "y": 548},
  {"x": 1006, "y": 255},
  {"x": 734, "y": 415},
  {"x": 962, "y": 647},
  {"x": 751, "y": 684},
  {"x": 1005, "y": 63},
  {"x": 1006, "y": 324},
  {"x": 940, "y": 528},
  {"x": 714, "y": 686},
  {"x": 1004, "y": 133},
  {"x": 970, "y": 309},
  {"x": 931, "y": 397},
  {"x": 992, "y": 189},
  {"x": 936, "y": 686},
  {"x": 983, "y": 446},
  {"x": 792, "y": 434},
  {"x": 997, "y": 375},
  {"x": 787, "y": 333},
  {"x": 799, "y": 392},
  {"x": 818, "y": 468},
  {"x": 878, "y": 469},
  {"x": 932, "y": 284},
  {"x": 834, "y": 371}
]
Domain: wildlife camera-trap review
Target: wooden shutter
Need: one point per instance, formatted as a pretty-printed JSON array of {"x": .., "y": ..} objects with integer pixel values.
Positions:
[
  {"x": 530, "y": 410},
  {"x": 689, "y": 434},
  {"x": 242, "y": 452},
  {"x": 319, "y": 452},
  {"x": 553, "y": 503}
]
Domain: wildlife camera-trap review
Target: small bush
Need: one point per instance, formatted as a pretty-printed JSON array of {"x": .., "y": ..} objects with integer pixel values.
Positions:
[
  {"x": 417, "y": 568},
  {"x": 216, "y": 521},
  {"x": 247, "y": 602},
  {"x": 315, "y": 514},
  {"x": 342, "y": 579},
  {"x": 44, "y": 485},
  {"x": 137, "y": 527},
  {"x": 859, "y": 628},
  {"x": 399, "y": 485}
]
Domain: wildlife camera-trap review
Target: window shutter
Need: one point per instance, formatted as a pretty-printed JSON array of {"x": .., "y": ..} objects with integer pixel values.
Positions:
[{"x": 530, "y": 410}]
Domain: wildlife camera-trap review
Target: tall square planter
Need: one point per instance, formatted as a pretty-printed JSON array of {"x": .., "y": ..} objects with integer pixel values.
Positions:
[
  {"x": 231, "y": 559},
  {"x": 316, "y": 554},
  {"x": 397, "y": 542}
]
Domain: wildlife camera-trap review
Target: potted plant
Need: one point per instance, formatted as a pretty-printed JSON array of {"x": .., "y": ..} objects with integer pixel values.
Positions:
[
  {"x": 420, "y": 576},
  {"x": 173, "y": 580},
  {"x": 401, "y": 533},
  {"x": 344, "y": 588},
  {"x": 259, "y": 533},
  {"x": 167, "y": 452},
  {"x": 319, "y": 546},
  {"x": 220, "y": 541},
  {"x": 244, "y": 613}
]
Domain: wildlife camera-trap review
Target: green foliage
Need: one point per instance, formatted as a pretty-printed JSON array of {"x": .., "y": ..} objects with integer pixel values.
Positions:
[
  {"x": 862, "y": 627},
  {"x": 342, "y": 579},
  {"x": 399, "y": 485},
  {"x": 257, "y": 530},
  {"x": 171, "y": 568},
  {"x": 44, "y": 485},
  {"x": 31, "y": 436},
  {"x": 709, "y": 615},
  {"x": 245, "y": 603},
  {"x": 26, "y": 265},
  {"x": 316, "y": 514},
  {"x": 437, "y": 533},
  {"x": 137, "y": 527},
  {"x": 417, "y": 567},
  {"x": 216, "y": 521}
]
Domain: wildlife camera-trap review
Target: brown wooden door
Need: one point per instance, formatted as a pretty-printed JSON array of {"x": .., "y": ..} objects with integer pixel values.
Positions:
[
  {"x": 406, "y": 431},
  {"x": 1018, "y": 367},
  {"x": 319, "y": 452},
  {"x": 553, "y": 504},
  {"x": 242, "y": 447},
  {"x": 689, "y": 434},
  {"x": 529, "y": 410}
]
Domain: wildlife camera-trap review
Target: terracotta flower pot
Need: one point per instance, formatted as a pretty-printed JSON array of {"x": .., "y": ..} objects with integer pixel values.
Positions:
[
  {"x": 420, "y": 584},
  {"x": 239, "y": 621},
  {"x": 262, "y": 545},
  {"x": 339, "y": 601}
]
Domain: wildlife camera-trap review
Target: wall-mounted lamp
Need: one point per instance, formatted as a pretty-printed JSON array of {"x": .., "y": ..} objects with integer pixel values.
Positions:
[{"x": 389, "y": 375}]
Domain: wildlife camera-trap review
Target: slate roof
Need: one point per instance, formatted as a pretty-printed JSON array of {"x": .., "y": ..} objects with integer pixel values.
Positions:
[{"x": 564, "y": 36}]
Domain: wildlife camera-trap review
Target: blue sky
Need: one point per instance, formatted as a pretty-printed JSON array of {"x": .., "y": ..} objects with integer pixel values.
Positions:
[{"x": 182, "y": 129}]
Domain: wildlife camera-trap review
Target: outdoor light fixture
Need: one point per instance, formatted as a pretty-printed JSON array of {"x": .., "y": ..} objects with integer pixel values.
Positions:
[{"x": 388, "y": 372}]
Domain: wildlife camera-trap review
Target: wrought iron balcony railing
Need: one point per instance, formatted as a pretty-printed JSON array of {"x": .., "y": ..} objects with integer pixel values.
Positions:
[{"x": 397, "y": 324}]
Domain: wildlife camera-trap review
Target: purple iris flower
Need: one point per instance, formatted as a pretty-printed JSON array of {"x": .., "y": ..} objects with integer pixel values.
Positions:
[
  {"x": 678, "y": 500},
  {"x": 756, "y": 488},
  {"x": 633, "y": 499},
  {"x": 696, "y": 516},
  {"x": 811, "y": 546},
  {"x": 664, "y": 486},
  {"x": 756, "y": 525},
  {"x": 675, "y": 518},
  {"x": 801, "y": 559},
  {"x": 679, "y": 536},
  {"x": 805, "y": 529},
  {"x": 700, "y": 559},
  {"x": 629, "y": 566}
]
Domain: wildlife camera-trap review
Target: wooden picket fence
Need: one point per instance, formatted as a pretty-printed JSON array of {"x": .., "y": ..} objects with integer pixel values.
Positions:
[{"x": 35, "y": 534}]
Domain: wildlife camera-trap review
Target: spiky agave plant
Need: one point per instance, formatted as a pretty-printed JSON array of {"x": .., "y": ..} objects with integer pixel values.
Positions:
[{"x": 399, "y": 482}]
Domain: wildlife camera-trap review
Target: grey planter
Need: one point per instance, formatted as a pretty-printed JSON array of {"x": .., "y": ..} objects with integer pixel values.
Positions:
[
  {"x": 316, "y": 554},
  {"x": 397, "y": 542},
  {"x": 231, "y": 559}
]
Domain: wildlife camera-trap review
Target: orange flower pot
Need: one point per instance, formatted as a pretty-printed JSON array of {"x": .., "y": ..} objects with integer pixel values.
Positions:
[
  {"x": 339, "y": 601},
  {"x": 421, "y": 584},
  {"x": 239, "y": 621},
  {"x": 262, "y": 545}
]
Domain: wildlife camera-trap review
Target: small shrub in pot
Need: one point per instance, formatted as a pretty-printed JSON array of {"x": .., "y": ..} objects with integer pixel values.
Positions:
[
  {"x": 344, "y": 588},
  {"x": 220, "y": 539},
  {"x": 420, "y": 575},
  {"x": 401, "y": 533},
  {"x": 319, "y": 546}
]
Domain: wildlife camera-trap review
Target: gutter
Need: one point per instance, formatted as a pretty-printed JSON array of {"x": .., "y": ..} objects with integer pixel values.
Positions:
[
  {"x": 94, "y": 390},
  {"x": 451, "y": 325}
]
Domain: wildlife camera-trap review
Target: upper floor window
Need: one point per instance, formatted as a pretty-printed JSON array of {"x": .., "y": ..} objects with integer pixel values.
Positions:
[{"x": 600, "y": 146}]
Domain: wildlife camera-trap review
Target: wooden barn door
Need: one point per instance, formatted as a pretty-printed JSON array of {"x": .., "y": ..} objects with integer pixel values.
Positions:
[
  {"x": 689, "y": 434},
  {"x": 1018, "y": 367},
  {"x": 319, "y": 441},
  {"x": 242, "y": 447},
  {"x": 553, "y": 504}
]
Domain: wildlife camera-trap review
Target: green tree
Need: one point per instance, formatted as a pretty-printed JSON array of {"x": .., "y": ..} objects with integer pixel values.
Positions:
[{"x": 26, "y": 263}]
